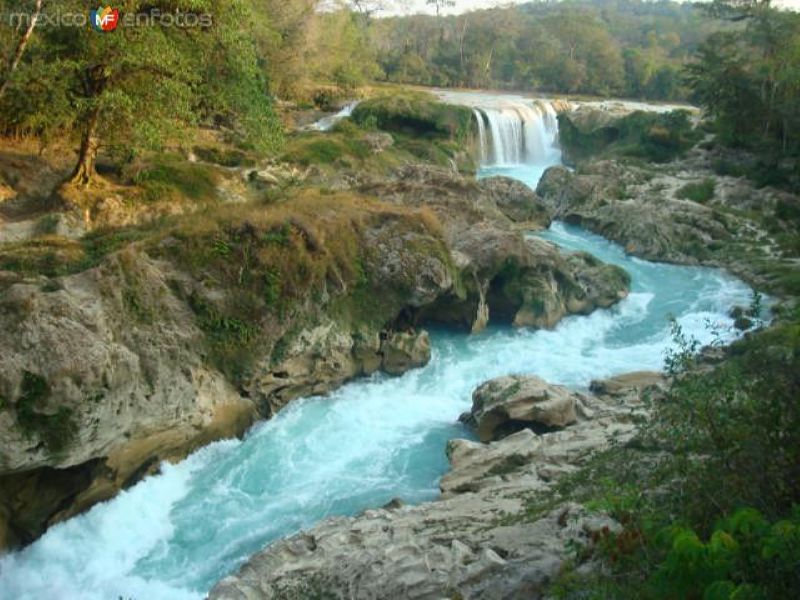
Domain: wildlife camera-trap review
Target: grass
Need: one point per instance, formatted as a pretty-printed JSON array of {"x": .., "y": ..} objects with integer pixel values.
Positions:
[
  {"x": 54, "y": 256},
  {"x": 171, "y": 177},
  {"x": 225, "y": 157}
]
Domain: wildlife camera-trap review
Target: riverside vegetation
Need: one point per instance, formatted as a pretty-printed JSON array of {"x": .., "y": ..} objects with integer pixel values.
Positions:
[{"x": 180, "y": 258}]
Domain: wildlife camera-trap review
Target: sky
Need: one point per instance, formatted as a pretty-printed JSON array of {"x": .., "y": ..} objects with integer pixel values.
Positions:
[{"x": 412, "y": 6}]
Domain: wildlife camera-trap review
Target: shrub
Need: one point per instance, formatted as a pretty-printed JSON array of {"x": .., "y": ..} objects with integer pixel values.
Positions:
[
  {"x": 745, "y": 557},
  {"x": 701, "y": 191},
  {"x": 657, "y": 137}
]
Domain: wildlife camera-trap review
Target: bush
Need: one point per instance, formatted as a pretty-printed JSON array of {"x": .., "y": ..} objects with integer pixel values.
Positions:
[
  {"x": 745, "y": 557},
  {"x": 701, "y": 191},
  {"x": 708, "y": 494}
]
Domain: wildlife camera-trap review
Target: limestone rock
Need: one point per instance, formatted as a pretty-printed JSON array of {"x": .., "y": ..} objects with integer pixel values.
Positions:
[
  {"x": 506, "y": 276},
  {"x": 623, "y": 384},
  {"x": 515, "y": 200},
  {"x": 510, "y": 403},
  {"x": 403, "y": 351}
]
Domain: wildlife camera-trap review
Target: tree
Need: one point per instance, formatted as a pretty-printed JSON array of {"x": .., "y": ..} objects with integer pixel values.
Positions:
[
  {"x": 748, "y": 82},
  {"x": 146, "y": 81},
  {"x": 440, "y": 4}
]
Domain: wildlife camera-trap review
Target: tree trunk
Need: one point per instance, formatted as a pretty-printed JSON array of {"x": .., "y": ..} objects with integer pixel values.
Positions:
[
  {"x": 461, "y": 43},
  {"x": 85, "y": 170},
  {"x": 23, "y": 43}
]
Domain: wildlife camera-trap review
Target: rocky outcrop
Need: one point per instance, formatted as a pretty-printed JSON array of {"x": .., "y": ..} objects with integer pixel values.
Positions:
[
  {"x": 481, "y": 540},
  {"x": 516, "y": 201},
  {"x": 89, "y": 388},
  {"x": 504, "y": 275},
  {"x": 515, "y": 402},
  {"x": 628, "y": 205}
]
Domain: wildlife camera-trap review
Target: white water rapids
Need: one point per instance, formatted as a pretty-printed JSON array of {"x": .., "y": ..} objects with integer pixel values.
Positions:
[{"x": 175, "y": 534}]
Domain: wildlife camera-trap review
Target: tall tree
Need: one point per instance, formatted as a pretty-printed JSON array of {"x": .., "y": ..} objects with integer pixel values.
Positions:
[
  {"x": 440, "y": 4},
  {"x": 134, "y": 87}
]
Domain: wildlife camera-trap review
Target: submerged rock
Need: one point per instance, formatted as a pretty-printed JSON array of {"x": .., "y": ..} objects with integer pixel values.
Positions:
[{"x": 515, "y": 402}]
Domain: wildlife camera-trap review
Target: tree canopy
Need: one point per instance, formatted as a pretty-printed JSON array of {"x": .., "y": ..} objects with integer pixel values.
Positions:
[{"x": 143, "y": 83}]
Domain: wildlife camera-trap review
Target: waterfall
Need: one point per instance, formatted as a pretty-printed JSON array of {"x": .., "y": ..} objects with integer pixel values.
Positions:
[
  {"x": 484, "y": 151},
  {"x": 326, "y": 123},
  {"x": 518, "y": 133}
]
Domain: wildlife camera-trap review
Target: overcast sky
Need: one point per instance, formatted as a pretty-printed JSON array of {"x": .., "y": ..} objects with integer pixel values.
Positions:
[{"x": 464, "y": 5}]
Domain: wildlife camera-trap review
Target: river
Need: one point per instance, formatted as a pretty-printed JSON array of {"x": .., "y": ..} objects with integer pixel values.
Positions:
[{"x": 175, "y": 534}]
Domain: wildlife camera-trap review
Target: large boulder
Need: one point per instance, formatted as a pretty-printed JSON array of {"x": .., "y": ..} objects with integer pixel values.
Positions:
[
  {"x": 515, "y": 200},
  {"x": 507, "y": 404}
]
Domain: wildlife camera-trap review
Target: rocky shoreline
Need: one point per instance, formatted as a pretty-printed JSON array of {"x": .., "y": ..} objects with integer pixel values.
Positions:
[{"x": 479, "y": 540}]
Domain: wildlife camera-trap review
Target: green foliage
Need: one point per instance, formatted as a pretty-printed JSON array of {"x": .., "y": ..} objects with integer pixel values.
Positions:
[
  {"x": 54, "y": 429},
  {"x": 701, "y": 191},
  {"x": 743, "y": 418},
  {"x": 657, "y": 137},
  {"x": 313, "y": 55},
  {"x": 745, "y": 557},
  {"x": 622, "y": 47},
  {"x": 749, "y": 81},
  {"x": 724, "y": 437},
  {"x": 417, "y": 114},
  {"x": 141, "y": 85}
]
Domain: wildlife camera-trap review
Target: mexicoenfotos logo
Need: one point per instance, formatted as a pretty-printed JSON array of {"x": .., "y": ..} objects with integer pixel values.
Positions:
[{"x": 104, "y": 19}]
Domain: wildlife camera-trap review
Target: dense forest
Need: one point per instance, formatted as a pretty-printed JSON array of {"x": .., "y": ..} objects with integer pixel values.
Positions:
[
  {"x": 124, "y": 90},
  {"x": 603, "y": 47}
]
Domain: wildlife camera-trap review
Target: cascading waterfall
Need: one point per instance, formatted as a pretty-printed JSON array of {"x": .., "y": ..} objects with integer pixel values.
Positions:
[{"x": 519, "y": 134}]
